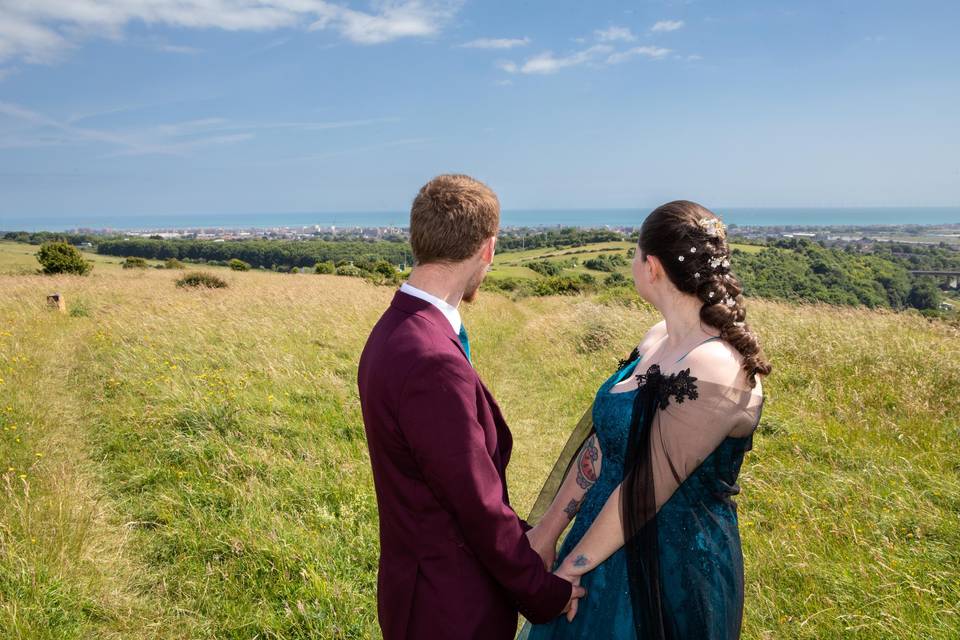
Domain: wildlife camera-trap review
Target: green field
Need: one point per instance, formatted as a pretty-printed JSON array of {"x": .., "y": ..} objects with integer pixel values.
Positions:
[
  {"x": 511, "y": 264},
  {"x": 17, "y": 258},
  {"x": 191, "y": 464}
]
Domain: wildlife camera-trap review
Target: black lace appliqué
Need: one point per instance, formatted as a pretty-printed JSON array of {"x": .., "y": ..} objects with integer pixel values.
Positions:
[
  {"x": 633, "y": 356},
  {"x": 681, "y": 385}
]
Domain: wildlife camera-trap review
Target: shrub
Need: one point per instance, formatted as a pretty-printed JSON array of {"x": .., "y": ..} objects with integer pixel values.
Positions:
[
  {"x": 202, "y": 279},
  {"x": 62, "y": 257},
  {"x": 557, "y": 286},
  {"x": 518, "y": 286},
  {"x": 79, "y": 309},
  {"x": 325, "y": 267},
  {"x": 386, "y": 269},
  {"x": 615, "y": 280},
  {"x": 606, "y": 262},
  {"x": 134, "y": 263},
  {"x": 545, "y": 267},
  {"x": 173, "y": 263},
  {"x": 350, "y": 270},
  {"x": 295, "y": 270},
  {"x": 238, "y": 265}
]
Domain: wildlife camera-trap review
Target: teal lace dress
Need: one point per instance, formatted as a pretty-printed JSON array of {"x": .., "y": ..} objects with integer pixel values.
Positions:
[{"x": 698, "y": 545}]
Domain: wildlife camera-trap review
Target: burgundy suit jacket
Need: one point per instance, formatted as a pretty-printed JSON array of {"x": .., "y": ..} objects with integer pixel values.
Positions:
[{"x": 454, "y": 558}]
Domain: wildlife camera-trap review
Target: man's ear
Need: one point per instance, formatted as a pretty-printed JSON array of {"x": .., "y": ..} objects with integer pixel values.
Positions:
[{"x": 488, "y": 248}]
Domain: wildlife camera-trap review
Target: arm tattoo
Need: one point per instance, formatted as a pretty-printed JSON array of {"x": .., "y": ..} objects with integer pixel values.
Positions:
[
  {"x": 571, "y": 509},
  {"x": 580, "y": 561},
  {"x": 586, "y": 471}
]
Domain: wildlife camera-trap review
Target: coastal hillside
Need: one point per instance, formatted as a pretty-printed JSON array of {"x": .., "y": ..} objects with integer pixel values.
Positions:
[{"x": 183, "y": 463}]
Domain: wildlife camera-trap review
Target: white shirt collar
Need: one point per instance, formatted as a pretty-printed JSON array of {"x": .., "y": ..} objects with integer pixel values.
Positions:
[{"x": 449, "y": 311}]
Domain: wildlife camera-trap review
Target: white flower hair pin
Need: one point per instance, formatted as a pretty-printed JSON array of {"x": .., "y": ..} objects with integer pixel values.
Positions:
[{"x": 713, "y": 227}]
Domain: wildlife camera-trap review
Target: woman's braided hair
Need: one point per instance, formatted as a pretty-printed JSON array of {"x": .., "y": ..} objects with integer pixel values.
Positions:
[{"x": 690, "y": 241}]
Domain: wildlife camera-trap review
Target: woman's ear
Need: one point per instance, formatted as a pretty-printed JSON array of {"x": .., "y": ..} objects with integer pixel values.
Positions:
[{"x": 654, "y": 267}]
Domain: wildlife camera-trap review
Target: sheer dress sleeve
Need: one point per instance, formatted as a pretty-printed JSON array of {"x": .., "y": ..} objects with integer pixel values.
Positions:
[{"x": 679, "y": 418}]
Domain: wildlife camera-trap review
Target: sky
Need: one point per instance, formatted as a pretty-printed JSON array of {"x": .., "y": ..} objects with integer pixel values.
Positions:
[{"x": 147, "y": 107}]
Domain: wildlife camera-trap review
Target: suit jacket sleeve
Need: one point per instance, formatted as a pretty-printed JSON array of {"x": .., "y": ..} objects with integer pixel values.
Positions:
[{"x": 438, "y": 418}]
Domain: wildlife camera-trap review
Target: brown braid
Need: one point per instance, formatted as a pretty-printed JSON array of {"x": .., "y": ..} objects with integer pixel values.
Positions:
[{"x": 696, "y": 258}]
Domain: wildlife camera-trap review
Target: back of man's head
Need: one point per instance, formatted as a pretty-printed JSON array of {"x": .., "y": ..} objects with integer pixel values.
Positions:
[{"x": 452, "y": 216}]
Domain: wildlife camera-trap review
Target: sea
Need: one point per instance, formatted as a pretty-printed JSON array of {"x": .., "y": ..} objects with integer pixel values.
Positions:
[{"x": 594, "y": 218}]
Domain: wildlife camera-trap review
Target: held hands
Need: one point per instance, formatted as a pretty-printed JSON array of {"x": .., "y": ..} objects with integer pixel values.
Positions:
[
  {"x": 544, "y": 544},
  {"x": 573, "y": 567},
  {"x": 575, "y": 594}
]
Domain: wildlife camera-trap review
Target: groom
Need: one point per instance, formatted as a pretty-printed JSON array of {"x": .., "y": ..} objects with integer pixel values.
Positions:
[{"x": 454, "y": 557}]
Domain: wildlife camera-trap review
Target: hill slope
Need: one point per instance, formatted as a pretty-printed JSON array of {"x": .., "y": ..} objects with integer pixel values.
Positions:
[{"x": 191, "y": 464}]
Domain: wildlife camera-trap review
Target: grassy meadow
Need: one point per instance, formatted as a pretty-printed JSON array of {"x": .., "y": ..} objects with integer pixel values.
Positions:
[
  {"x": 511, "y": 264},
  {"x": 191, "y": 464}
]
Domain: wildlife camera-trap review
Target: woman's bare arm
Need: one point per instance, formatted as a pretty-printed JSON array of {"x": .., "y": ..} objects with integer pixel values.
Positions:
[
  {"x": 582, "y": 476},
  {"x": 603, "y": 539}
]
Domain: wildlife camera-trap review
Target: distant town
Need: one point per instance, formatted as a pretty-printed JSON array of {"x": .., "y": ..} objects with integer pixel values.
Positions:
[{"x": 828, "y": 234}]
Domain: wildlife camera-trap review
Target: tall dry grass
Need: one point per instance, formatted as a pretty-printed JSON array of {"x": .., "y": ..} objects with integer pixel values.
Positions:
[{"x": 204, "y": 473}]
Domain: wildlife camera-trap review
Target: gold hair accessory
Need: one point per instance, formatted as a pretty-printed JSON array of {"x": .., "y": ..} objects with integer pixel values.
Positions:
[{"x": 713, "y": 227}]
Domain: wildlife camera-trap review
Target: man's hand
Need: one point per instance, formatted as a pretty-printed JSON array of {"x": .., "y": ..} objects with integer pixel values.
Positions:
[
  {"x": 571, "y": 571},
  {"x": 575, "y": 594},
  {"x": 545, "y": 546}
]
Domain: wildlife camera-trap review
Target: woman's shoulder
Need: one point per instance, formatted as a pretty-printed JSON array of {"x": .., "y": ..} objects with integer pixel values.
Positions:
[
  {"x": 719, "y": 362},
  {"x": 655, "y": 333}
]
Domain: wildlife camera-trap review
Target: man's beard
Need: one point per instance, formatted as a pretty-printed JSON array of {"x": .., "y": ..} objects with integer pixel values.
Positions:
[{"x": 473, "y": 286}]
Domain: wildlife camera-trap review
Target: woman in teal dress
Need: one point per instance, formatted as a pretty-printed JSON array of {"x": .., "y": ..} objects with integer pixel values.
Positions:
[{"x": 649, "y": 474}]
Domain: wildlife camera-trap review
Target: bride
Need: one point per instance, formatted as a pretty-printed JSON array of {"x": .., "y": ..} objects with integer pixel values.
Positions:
[{"x": 649, "y": 474}]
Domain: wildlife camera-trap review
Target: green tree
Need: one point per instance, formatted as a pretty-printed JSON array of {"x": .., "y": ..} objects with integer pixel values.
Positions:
[
  {"x": 61, "y": 257},
  {"x": 924, "y": 295}
]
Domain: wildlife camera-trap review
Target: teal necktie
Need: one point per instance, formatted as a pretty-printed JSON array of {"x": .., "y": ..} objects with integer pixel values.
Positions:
[{"x": 465, "y": 342}]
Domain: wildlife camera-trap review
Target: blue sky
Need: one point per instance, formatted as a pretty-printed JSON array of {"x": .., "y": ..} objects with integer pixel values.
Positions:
[{"x": 248, "y": 106}]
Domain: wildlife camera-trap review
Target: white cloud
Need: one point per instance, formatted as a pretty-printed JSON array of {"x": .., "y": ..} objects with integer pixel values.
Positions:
[
  {"x": 41, "y": 31},
  {"x": 176, "y": 48},
  {"x": 496, "y": 43},
  {"x": 648, "y": 52},
  {"x": 667, "y": 25},
  {"x": 402, "y": 19},
  {"x": 547, "y": 62},
  {"x": 178, "y": 138},
  {"x": 613, "y": 34}
]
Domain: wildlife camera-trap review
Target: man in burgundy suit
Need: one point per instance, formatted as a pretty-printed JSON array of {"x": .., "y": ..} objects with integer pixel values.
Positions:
[{"x": 454, "y": 557}]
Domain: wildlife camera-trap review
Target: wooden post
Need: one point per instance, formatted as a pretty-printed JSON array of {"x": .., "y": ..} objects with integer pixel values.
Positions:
[{"x": 56, "y": 301}]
